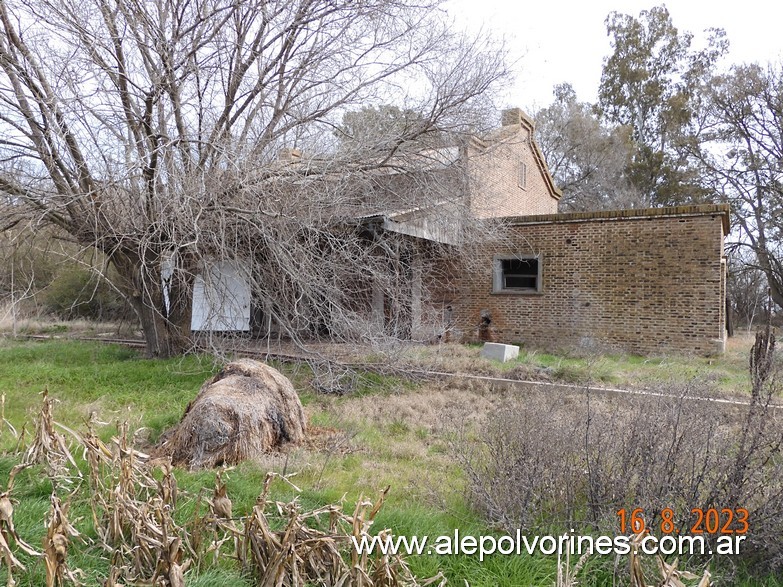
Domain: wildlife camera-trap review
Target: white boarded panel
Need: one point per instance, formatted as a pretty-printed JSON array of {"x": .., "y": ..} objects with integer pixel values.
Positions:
[{"x": 221, "y": 298}]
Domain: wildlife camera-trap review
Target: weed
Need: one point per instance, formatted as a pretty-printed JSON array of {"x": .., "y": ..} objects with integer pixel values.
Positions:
[
  {"x": 728, "y": 371},
  {"x": 398, "y": 428},
  {"x": 352, "y": 455},
  {"x": 47, "y": 329},
  {"x": 133, "y": 501}
]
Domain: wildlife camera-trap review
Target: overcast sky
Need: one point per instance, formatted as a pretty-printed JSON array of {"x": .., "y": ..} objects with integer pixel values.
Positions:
[{"x": 565, "y": 41}]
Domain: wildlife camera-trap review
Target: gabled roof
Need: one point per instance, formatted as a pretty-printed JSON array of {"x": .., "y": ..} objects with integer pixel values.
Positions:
[
  {"x": 513, "y": 120},
  {"x": 528, "y": 123}
]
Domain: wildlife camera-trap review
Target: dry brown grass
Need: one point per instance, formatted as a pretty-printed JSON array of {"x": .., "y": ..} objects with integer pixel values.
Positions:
[
  {"x": 432, "y": 406},
  {"x": 31, "y": 322},
  {"x": 245, "y": 410}
]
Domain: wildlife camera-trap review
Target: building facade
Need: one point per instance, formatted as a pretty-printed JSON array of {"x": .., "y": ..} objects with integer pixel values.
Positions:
[
  {"x": 645, "y": 281},
  {"x": 648, "y": 281}
]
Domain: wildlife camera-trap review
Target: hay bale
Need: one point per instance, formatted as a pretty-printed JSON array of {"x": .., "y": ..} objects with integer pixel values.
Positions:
[{"x": 247, "y": 409}]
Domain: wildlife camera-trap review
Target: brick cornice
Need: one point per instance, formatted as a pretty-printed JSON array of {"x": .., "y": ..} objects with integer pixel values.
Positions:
[{"x": 631, "y": 213}]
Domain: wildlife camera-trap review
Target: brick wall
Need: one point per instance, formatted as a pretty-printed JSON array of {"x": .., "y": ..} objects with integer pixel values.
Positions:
[
  {"x": 493, "y": 169},
  {"x": 640, "y": 281}
]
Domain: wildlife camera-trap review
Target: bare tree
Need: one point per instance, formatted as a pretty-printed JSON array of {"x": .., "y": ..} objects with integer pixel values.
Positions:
[
  {"x": 746, "y": 161},
  {"x": 747, "y": 289},
  {"x": 153, "y": 131}
]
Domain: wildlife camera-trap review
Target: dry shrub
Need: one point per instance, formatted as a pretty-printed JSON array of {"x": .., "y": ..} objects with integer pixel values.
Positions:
[
  {"x": 78, "y": 292},
  {"x": 245, "y": 410},
  {"x": 540, "y": 462}
]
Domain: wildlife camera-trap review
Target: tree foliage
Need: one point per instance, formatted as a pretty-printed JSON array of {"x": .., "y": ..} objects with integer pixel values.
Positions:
[
  {"x": 652, "y": 82},
  {"x": 588, "y": 159},
  {"x": 44, "y": 273},
  {"x": 151, "y": 129}
]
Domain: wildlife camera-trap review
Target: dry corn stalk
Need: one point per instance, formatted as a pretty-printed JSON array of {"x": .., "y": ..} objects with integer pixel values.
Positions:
[
  {"x": 21, "y": 440},
  {"x": 116, "y": 571},
  {"x": 170, "y": 568},
  {"x": 221, "y": 519},
  {"x": 129, "y": 483},
  {"x": 637, "y": 574},
  {"x": 196, "y": 530},
  {"x": 131, "y": 510},
  {"x": 11, "y": 562},
  {"x": 566, "y": 576},
  {"x": 301, "y": 554},
  {"x": 132, "y": 513},
  {"x": 99, "y": 460},
  {"x": 4, "y": 421},
  {"x": 8, "y": 531},
  {"x": 670, "y": 575},
  {"x": 167, "y": 486},
  {"x": 221, "y": 505},
  {"x": 58, "y": 536},
  {"x": 49, "y": 447}
]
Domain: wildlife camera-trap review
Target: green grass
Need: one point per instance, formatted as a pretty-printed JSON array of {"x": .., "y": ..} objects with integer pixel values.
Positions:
[
  {"x": 109, "y": 379},
  {"x": 635, "y": 371},
  {"x": 118, "y": 384},
  {"x": 744, "y": 580},
  {"x": 47, "y": 329},
  {"x": 427, "y": 494}
]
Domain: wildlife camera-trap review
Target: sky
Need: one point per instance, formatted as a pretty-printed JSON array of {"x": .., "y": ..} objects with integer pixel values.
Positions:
[{"x": 559, "y": 41}]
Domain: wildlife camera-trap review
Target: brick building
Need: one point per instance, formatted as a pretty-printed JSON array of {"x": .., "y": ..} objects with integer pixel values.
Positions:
[
  {"x": 646, "y": 281},
  {"x": 508, "y": 175},
  {"x": 643, "y": 281}
]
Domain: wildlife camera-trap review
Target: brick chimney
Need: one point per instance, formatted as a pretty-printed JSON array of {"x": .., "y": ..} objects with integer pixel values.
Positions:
[{"x": 511, "y": 117}]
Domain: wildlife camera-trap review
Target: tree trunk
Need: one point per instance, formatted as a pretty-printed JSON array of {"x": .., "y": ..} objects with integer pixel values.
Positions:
[
  {"x": 161, "y": 342},
  {"x": 767, "y": 265},
  {"x": 163, "y": 308},
  {"x": 729, "y": 320}
]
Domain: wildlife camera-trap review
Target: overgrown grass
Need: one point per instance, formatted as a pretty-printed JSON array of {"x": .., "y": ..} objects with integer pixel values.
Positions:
[
  {"x": 360, "y": 456},
  {"x": 727, "y": 374},
  {"x": 389, "y": 433},
  {"x": 111, "y": 380},
  {"x": 30, "y": 319}
]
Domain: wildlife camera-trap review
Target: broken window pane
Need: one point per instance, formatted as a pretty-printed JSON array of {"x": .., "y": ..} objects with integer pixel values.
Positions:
[{"x": 515, "y": 274}]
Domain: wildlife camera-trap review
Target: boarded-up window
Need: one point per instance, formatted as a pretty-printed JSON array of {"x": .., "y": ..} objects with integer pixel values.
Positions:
[{"x": 522, "y": 179}]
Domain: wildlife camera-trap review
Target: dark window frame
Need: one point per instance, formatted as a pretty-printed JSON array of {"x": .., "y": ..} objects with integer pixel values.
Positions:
[{"x": 517, "y": 274}]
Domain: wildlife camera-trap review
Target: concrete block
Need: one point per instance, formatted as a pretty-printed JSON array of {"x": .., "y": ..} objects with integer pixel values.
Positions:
[{"x": 500, "y": 352}]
